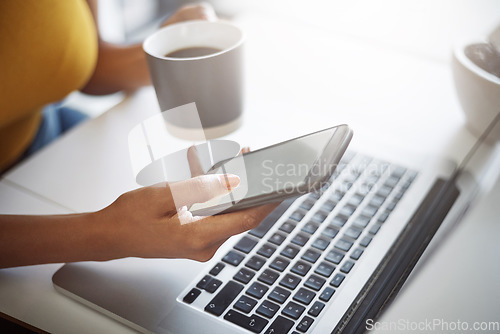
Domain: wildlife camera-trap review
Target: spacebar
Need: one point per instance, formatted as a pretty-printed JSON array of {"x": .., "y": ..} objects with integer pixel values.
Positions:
[{"x": 221, "y": 301}]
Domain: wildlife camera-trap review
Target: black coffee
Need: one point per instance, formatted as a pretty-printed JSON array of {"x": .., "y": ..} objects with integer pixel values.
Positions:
[
  {"x": 196, "y": 51},
  {"x": 485, "y": 56}
]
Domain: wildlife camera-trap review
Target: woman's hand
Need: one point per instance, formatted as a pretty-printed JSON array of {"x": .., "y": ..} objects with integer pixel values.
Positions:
[
  {"x": 153, "y": 222},
  {"x": 123, "y": 67},
  {"x": 149, "y": 222},
  {"x": 200, "y": 11}
]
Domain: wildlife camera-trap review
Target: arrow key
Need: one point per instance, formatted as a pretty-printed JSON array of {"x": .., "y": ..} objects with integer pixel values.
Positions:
[
  {"x": 280, "y": 326},
  {"x": 304, "y": 324}
]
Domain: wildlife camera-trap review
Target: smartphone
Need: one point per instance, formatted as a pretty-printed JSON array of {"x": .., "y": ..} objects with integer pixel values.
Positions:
[{"x": 274, "y": 173}]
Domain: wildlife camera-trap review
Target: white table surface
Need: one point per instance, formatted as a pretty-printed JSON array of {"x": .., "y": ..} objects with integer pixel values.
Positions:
[{"x": 381, "y": 67}]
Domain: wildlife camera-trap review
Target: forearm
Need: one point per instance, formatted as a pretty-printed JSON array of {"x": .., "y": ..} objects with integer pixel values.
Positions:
[
  {"x": 118, "y": 68},
  {"x": 27, "y": 240}
]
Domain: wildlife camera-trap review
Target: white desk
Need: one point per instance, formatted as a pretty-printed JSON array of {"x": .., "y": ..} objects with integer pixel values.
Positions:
[{"x": 308, "y": 67}]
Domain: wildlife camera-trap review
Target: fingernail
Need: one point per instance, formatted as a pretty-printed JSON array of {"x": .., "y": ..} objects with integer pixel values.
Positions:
[{"x": 231, "y": 181}]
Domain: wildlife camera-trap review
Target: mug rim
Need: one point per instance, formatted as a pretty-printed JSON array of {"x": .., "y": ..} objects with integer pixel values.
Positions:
[
  {"x": 147, "y": 41},
  {"x": 470, "y": 65}
]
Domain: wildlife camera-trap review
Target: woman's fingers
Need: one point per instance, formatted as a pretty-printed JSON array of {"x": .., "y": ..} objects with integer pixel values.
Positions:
[
  {"x": 221, "y": 227},
  {"x": 194, "y": 162},
  {"x": 201, "y": 11},
  {"x": 202, "y": 188}
]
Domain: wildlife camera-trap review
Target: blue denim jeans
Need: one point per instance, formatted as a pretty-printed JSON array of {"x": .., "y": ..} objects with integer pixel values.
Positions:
[{"x": 56, "y": 120}]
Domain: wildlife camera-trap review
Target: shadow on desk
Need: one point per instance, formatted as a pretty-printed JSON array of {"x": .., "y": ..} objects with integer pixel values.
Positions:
[{"x": 14, "y": 326}]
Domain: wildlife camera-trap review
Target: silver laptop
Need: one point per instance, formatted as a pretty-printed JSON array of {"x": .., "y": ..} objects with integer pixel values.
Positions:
[{"x": 321, "y": 263}]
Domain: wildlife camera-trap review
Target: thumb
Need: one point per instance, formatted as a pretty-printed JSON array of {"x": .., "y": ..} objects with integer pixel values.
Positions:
[{"x": 202, "y": 188}]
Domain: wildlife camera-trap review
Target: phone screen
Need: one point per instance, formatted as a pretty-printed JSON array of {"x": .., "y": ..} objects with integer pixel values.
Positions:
[{"x": 280, "y": 169}]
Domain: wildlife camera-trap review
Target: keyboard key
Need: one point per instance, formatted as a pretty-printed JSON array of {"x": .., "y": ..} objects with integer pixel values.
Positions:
[
  {"x": 356, "y": 253},
  {"x": 344, "y": 245},
  {"x": 281, "y": 325},
  {"x": 369, "y": 211},
  {"x": 217, "y": 269},
  {"x": 315, "y": 282},
  {"x": 319, "y": 216},
  {"x": 365, "y": 241},
  {"x": 330, "y": 232},
  {"x": 327, "y": 294},
  {"x": 266, "y": 250},
  {"x": 347, "y": 210},
  {"x": 202, "y": 284},
  {"x": 316, "y": 308},
  {"x": 334, "y": 257},
  {"x": 374, "y": 229},
  {"x": 311, "y": 255},
  {"x": 301, "y": 268},
  {"x": 279, "y": 294},
  {"x": 321, "y": 243},
  {"x": 307, "y": 204},
  {"x": 383, "y": 217},
  {"x": 191, "y": 296},
  {"x": 399, "y": 195},
  {"x": 384, "y": 191},
  {"x": 257, "y": 290},
  {"x": 361, "y": 221},
  {"x": 253, "y": 323},
  {"x": 390, "y": 207},
  {"x": 304, "y": 296},
  {"x": 269, "y": 276},
  {"x": 300, "y": 239},
  {"x": 244, "y": 275},
  {"x": 339, "y": 220},
  {"x": 245, "y": 304},
  {"x": 267, "y": 309},
  {"x": 298, "y": 215},
  {"x": 347, "y": 266},
  {"x": 392, "y": 181},
  {"x": 337, "y": 280},
  {"x": 290, "y": 281},
  {"x": 277, "y": 238},
  {"x": 304, "y": 324},
  {"x": 287, "y": 227},
  {"x": 310, "y": 227},
  {"x": 290, "y": 251},
  {"x": 314, "y": 196},
  {"x": 264, "y": 226},
  {"x": 224, "y": 298},
  {"x": 246, "y": 244},
  {"x": 356, "y": 199},
  {"x": 325, "y": 269},
  {"x": 256, "y": 262},
  {"x": 353, "y": 233},
  {"x": 347, "y": 184},
  {"x": 377, "y": 201},
  {"x": 279, "y": 263},
  {"x": 293, "y": 310},
  {"x": 213, "y": 285},
  {"x": 329, "y": 205},
  {"x": 233, "y": 258},
  {"x": 398, "y": 171},
  {"x": 337, "y": 196}
]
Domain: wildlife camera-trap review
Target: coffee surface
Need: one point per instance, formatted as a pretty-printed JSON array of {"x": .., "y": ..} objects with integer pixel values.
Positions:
[
  {"x": 197, "y": 51},
  {"x": 484, "y": 56}
]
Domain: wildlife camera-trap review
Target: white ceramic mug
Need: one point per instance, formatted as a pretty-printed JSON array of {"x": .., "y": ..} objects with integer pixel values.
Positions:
[
  {"x": 478, "y": 90},
  {"x": 213, "y": 81}
]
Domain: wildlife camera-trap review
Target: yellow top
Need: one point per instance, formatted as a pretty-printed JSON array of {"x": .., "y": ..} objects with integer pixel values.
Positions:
[{"x": 48, "y": 48}]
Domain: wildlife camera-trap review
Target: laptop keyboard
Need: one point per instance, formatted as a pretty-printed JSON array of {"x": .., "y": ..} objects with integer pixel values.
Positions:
[{"x": 280, "y": 276}]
